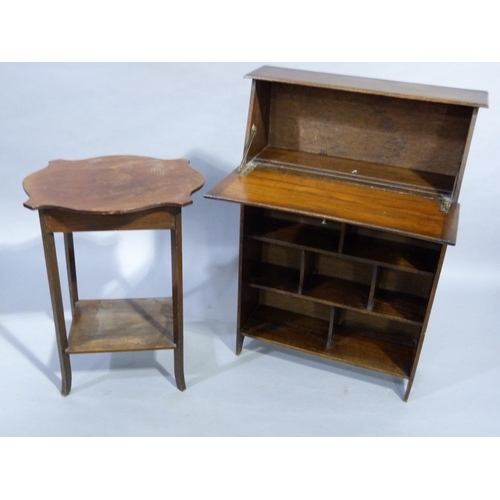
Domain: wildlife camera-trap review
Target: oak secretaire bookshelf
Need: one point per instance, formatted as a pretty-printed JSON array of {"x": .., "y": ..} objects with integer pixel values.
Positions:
[{"x": 349, "y": 198}]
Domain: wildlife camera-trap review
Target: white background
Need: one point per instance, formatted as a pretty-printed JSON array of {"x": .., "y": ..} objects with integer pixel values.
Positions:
[{"x": 198, "y": 111}]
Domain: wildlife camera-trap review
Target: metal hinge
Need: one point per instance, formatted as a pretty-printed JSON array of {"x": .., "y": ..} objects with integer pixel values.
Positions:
[
  {"x": 445, "y": 204},
  {"x": 246, "y": 167}
]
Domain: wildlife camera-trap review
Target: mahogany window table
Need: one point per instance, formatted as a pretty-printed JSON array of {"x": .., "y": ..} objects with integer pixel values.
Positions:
[
  {"x": 349, "y": 198},
  {"x": 104, "y": 194}
]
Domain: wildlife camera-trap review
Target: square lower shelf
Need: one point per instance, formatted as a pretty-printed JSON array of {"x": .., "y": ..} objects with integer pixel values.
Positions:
[{"x": 121, "y": 325}]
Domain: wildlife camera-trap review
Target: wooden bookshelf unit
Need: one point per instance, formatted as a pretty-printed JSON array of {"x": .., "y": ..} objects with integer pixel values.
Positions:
[{"x": 349, "y": 198}]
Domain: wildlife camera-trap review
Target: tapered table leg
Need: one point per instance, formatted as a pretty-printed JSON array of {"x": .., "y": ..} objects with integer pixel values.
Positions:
[
  {"x": 57, "y": 305},
  {"x": 177, "y": 302},
  {"x": 71, "y": 269}
]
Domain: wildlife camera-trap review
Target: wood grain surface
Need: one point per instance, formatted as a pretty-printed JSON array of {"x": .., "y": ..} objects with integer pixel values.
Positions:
[
  {"x": 121, "y": 325},
  {"x": 432, "y": 93},
  {"x": 331, "y": 199},
  {"x": 113, "y": 184}
]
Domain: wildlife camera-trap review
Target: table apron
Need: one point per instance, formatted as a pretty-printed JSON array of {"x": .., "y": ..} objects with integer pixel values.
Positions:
[{"x": 65, "y": 221}]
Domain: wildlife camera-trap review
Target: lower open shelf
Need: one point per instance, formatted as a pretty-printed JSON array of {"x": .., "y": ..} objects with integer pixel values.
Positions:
[
  {"x": 121, "y": 325},
  {"x": 349, "y": 345}
]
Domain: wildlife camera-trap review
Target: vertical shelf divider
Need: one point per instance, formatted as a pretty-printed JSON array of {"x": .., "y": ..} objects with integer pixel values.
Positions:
[
  {"x": 343, "y": 230},
  {"x": 373, "y": 287},
  {"x": 334, "y": 321},
  {"x": 306, "y": 269}
]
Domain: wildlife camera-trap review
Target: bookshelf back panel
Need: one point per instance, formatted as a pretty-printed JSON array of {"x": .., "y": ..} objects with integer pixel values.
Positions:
[
  {"x": 344, "y": 268},
  {"x": 411, "y": 284},
  {"x": 385, "y": 328},
  {"x": 281, "y": 256},
  {"x": 416, "y": 135},
  {"x": 295, "y": 305}
]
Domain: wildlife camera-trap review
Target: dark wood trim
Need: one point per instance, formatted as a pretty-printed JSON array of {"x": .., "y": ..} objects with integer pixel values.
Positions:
[
  {"x": 306, "y": 269},
  {"x": 460, "y": 176},
  {"x": 177, "y": 300},
  {"x": 403, "y": 90},
  {"x": 57, "y": 303},
  {"x": 71, "y": 269},
  {"x": 373, "y": 287},
  {"x": 65, "y": 221},
  {"x": 426, "y": 321}
]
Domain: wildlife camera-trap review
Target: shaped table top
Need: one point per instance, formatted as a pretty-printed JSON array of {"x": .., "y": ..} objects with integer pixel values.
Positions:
[{"x": 112, "y": 184}]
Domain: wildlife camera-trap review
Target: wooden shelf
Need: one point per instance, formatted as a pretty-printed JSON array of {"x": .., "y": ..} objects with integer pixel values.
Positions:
[
  {"x": 404, "y": 256},
  {"x": 296, "y": 234},
  {"x": 338, "y": 292},
  {"x": 272, "y": 277},
  {"x": 121, "y": 325},
  {"x": 400, "y": 306},
  {"x": 393, "y": 254},
  {"x": 341, "y": 293},
  {"x": 307, "y": 334}
]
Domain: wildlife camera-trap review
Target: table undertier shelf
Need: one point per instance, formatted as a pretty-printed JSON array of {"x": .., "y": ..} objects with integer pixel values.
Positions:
[{"x": 121, "y": 325}]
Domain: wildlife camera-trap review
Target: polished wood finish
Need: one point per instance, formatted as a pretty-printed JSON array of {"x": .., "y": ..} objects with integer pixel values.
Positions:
[
  {"x": 103, "y": 194},
  {"x": 301, "y": 120},
  {"x": 351, "y": 346},
  {"x": 49, "y": 248},
  {"x": 362, "y": 306},
  {"x": 349, "y": 199},
  {"x": 340, "y": 201},
  {"x": 69, "y": 248},
  {"x": 112, "y": 184},
  {"x": 62, "y": 221},
  {"x": 373, "y": 86},
  {"x": 420, "y": 182},
  {"x": 177, "y": 301},
  {"x": 121, "y": 325}
]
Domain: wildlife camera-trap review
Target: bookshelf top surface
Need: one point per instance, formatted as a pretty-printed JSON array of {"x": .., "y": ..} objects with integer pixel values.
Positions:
[{"x": 415, "y": 91}]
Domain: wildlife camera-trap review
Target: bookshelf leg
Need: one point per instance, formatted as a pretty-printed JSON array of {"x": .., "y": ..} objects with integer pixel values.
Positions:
[
  {"x": 408, "y": 389},
  {"x": 239, "y": 343},
  {"x": 332, "y": 327}
]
